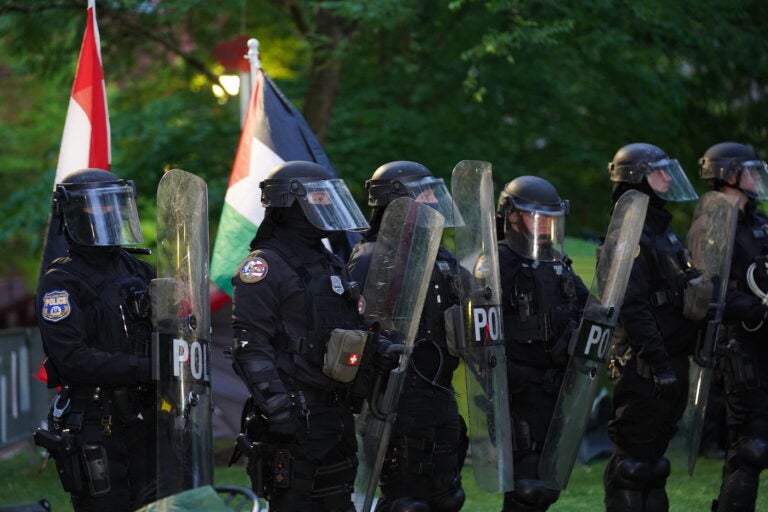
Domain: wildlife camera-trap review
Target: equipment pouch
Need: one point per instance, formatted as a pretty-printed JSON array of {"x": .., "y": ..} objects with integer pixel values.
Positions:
[
  {"x": 696, "y": 298},
  {"x": 96, "y": 469},
  {"x": 454, "y": 331},
  {"x": 343, "y": 353},
  {"x": 281, "y": 469},
  {"x": 63, "y": 449},
  {"x": 740, "y": 370}
]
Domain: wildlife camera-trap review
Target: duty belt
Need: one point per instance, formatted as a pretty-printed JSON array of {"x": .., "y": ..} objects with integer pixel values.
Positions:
[
  {"x": 322, "y": 397},
  {"x": 75, "y": 406}
]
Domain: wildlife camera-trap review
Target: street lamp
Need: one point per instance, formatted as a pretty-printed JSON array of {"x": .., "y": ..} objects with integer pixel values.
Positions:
[{"x": 228, "y": 85}]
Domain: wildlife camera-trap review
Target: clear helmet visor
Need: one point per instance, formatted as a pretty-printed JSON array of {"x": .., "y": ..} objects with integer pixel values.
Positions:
[
  {"x": 433, "y": 192},
  {"x": 535, "y": 235},
  {"x": 754, "y": 179},
  {"x": 329, "y": 206},
  {"x": 668, "y": 180},
  {"x": 102, "y": 216}
]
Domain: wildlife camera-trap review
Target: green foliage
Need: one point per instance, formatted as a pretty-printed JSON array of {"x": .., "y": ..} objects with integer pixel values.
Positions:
[{"x": 535, "y": 87}]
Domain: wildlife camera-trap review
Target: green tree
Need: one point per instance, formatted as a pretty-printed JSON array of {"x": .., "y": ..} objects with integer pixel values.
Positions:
[{"x": 535, "y": 87}]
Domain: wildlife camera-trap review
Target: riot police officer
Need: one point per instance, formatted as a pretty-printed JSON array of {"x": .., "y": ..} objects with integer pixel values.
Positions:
[
  {"x": 293, "y": 303},
  {"x": 542, "y": 300},
  {"x": 649, "y": 363},
  {"x": 94, "y": 319},
  {"x": 733, "y": 169},
  {"x": 422, "y": 468}
]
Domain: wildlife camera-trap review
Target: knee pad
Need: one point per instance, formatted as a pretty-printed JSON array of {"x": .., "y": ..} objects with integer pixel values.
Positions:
[
  {"x": 450, "y": 500},
  {"x": 532, "y": 494},
  {"x": 754, "y": 454},
  {"x": 408, "y": 505},
  {"x": 634, "y": 474},
  {"x": 660, "y": 470}
]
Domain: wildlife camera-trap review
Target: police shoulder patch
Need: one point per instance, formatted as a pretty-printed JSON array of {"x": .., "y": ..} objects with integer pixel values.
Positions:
[
  {"x": 56, "y": 305},
  {"x": 253, "y": 269}
]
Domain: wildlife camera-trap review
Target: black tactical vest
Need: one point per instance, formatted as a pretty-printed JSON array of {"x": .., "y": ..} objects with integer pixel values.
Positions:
[
  {"x": 331, "y": 303},
  {"x": 674, "y": 268},
  {"x": 443, "y": 292},
  {"x": 114, "y": 303},
  {"x": 541, "y": 299}
]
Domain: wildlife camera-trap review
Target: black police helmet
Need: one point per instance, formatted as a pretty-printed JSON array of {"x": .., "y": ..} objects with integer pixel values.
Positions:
[
  {"x": 90, "y": 175},
  {"x": 81, "y": 179},
  {"x": 96, "y": 208},
  {"x": 723, "y": 160},
  {"x": 388, "y": 181},
  {"x": 632, "y": 162},
  {"x": 530, "y": 194},
  {"x": 285, "y": 182}
]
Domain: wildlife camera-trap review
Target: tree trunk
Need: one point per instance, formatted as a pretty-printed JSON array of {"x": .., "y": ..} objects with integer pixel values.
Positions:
[{"x": 325, "y": 74}]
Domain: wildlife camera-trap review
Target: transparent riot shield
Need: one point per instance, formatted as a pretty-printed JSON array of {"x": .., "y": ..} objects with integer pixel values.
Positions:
[
  {"x": 395, "y": 289},
  {"x": 480, "y": 340},
  {"x": 591, "y": 341},
  {"x": 181, "y": 341},
  {"x": 710, "y": 241}
]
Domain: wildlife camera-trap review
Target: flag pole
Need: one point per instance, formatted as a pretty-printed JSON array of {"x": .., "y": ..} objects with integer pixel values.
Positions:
[{"x": 254, "y": 60}]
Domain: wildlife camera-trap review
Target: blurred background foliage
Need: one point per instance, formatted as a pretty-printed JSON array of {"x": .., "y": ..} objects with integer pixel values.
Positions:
[{"x": 534, "y": 86}]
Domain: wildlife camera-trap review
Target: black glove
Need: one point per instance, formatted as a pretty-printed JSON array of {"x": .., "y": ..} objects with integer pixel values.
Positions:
[
  {"x": 282, "y": 420},
  {"x": 664, "y": 381},
  {"x": 387, "y": 356}
]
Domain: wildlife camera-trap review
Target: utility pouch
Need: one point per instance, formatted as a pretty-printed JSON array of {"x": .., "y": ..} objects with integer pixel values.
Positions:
[
  {"x": 454, "y": 331},
  {"x": 739, "y": 369},
  {"x": 696, "y": 298},
  {"x": 343, "y": 354},
  {"x": 281, "y": 469},
  {"x": 96, "y": 469}
]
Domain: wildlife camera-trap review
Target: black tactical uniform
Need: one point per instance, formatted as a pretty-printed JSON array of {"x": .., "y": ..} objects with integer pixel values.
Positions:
[
  {"x": 650, "y": 361},
  {"x": 94, "y": 319},
  {"x": 428, "y": 444},
  {"x": 542, "y": 300},
  {"x": 734, "y": 169},
  {"x": 289, "y": 294}
]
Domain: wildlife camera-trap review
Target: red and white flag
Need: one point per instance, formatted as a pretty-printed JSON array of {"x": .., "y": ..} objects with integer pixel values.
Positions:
[{"x": 86, "y": 141}]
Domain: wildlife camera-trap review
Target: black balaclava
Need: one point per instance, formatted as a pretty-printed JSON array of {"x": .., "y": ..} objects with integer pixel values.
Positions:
[
  {"x": 290, "y": 221},
  {"x": 654, "y": 200},
  {"x": 377, "y": 214}
]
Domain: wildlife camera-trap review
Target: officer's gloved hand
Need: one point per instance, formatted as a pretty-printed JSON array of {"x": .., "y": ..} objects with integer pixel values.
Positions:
[
  {"x": 664, "y": 381},
  {"x": 387, "y": 355},
  {"x": 282, "y": 419}
]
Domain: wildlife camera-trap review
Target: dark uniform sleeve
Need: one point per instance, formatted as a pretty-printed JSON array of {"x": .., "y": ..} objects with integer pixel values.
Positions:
[
  {"x": 75, "y": 357},
  {"x": 508, "y": 265},
  {"x": 259, "y": 288},
  {"x": 582, "y": 292},
  {"x": 359, "y": 261},
  {"x": 636, "y": 315}
]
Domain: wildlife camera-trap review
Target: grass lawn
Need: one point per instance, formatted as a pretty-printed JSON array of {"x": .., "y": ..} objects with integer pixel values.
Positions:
[{"x": 23, "y": 478}]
